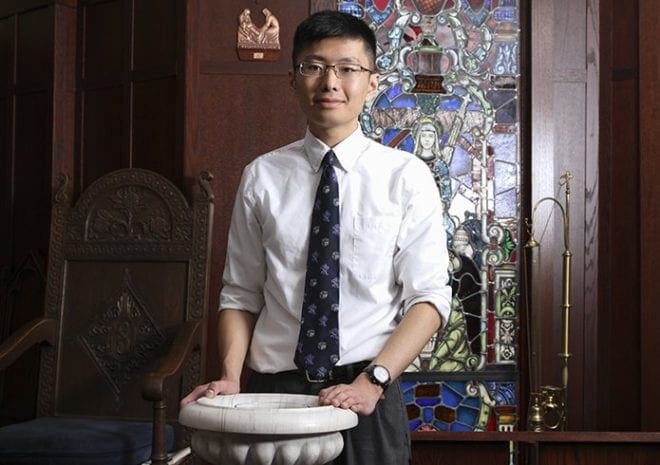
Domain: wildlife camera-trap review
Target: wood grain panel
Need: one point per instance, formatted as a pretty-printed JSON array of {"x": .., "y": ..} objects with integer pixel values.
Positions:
[
  {"x": 528, "y": 448},
  {"x": 591, "y": 218},
  {"x": 6, "y": 181},
  {"x": 623, "y": 32},
  {"x": 104, "y": 38},
  {"x": 64, "y": 91},
  {"x": 12, "y": 7},
  {"x": 559, "y": 109},
  {"x": 624, "y": 329},
  {"x": 34, "y": 49},
  {"x": 102, "y": 133},
  {"x": 570, "y": 154},
  {"x": 6, "y": 54},
  {"x": 649, "y": 100},
  {"x": 155, "y": 35},
  {"x": 32, "y": 173},
  {"x": 476, "y": 453},
  {"x": 599, "y": 454},
  {"x": 155, "y": 138},
  {"x": 619, "y": 311}
]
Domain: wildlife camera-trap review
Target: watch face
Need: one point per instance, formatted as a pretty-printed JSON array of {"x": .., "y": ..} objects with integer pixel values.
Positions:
[{"x": 381, "y": 374}]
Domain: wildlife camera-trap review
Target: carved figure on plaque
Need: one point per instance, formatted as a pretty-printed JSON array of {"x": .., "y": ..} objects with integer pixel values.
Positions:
[{"x": 258, "y": 43}]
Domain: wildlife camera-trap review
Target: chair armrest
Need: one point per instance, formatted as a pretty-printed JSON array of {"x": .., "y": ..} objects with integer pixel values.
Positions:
[
  {"x": 28, "y": 335},
  {"x": 184, "y": 341}
]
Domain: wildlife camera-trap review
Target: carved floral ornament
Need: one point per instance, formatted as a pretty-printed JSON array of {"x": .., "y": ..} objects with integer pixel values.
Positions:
[{"x": 258, "y": 43}]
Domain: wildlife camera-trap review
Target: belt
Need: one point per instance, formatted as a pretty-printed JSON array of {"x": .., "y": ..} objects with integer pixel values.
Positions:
[{"x": 337, "y": 373}]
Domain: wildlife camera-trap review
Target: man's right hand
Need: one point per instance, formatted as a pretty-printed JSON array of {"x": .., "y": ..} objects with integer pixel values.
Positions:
[{"x": 210, "y": 390}]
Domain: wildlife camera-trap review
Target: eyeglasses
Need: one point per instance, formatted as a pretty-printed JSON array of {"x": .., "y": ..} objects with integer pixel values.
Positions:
[{"x": 342, "y": 70}]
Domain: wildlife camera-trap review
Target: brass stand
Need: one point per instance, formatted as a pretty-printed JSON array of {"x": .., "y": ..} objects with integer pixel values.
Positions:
[{"x": 548, "y": 407}]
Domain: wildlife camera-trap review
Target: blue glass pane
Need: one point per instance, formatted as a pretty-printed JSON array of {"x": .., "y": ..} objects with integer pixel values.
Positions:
[
  {"x": 441, "y": 425},
  {"x": 467, "y": 416},
  {"x": 428, "y": 401},
  {"x": 460, "y": 427},
  {"x": 450, "y": 397}
]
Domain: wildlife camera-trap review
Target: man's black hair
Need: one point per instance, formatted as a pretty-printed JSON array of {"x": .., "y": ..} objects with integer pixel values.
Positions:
[{"x": 330, "y": 23}]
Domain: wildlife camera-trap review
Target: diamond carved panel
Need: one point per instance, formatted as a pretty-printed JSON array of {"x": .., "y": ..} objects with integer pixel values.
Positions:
[{"x": 123, "y": 337}]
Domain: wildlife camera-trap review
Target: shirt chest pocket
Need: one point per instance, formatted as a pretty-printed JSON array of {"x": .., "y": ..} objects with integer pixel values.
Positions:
[{"x": 374, "y": 239}]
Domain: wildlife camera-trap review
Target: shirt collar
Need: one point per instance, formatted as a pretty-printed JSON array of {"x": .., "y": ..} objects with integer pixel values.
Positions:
[{"x": 347, "y": 151}]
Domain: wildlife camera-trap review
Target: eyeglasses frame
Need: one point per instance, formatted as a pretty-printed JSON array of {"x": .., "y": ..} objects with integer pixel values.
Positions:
[{"x": 326, "y": 66}]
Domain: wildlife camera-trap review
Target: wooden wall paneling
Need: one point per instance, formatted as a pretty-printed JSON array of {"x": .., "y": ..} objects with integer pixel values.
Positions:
[
  {"x": 619, "y": 313},
  {"x": 649, "y": 98},
  {"x": 102, "y": 132},
  {"x": 155, "y": 36},
  {"x": 32, "y": 173},
  {"x": 591, "y": 220},
  {"x": 569, "y": 79},
  {"x": 33, "y": 137},
  {"x": 15, "y": 7},
  {"x": 64, "y": 91},
  {"x": 7, "y": 31},
  {"x": 598, "y": 454},
  {"x": 542, "y": 183},
  {"x": 155, "y": 141},
  {"x": 156, "y": 131},
  {"x": 34, "y": 50},
  {"x": 624, "y": 330},
  {"x": 558, "y": 143},
  {"x": 189, "y": 60},
  {"x": 604, "y": 216},
  {"x": 102, "y": 135},
  {"x": 7, "y": 56},
  {"x": 130, "y": 104},
  {"x": 529, "y": 448},
  {"x": 102, "y": 42},
  {"x": 6, "y": 182},
  {"x": 464, "y": 453}
]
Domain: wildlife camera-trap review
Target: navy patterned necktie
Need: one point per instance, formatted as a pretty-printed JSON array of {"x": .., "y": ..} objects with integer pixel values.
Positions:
[{"x": 318, "y": 342}]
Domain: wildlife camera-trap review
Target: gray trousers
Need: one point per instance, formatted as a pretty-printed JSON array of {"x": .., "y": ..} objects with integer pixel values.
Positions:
[{"x": 381, "y": 438}]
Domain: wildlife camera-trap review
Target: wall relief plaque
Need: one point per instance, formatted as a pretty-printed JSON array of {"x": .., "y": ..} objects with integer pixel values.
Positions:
[{"x": 258, "y": 43}]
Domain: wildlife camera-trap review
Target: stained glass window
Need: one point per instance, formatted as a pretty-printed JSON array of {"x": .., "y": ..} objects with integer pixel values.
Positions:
[{"x": 448, "y": 93}]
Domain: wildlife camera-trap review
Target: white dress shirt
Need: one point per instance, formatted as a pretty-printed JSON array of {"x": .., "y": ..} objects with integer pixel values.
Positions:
[{"x": 392, "y": 246}]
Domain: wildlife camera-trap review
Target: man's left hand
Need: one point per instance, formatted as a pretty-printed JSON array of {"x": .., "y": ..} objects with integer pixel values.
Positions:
[{"x": 361, "y": 396}]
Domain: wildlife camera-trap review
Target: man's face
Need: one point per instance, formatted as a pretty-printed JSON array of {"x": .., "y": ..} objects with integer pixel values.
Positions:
[{"x": 332, "y": 105}]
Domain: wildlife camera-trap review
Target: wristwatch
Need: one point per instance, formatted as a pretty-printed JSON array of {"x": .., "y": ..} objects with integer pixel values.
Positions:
[{"x": 379, "y": 375}]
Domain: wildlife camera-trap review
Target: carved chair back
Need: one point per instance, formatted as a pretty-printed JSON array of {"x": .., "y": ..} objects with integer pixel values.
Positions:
[{"x": 128, "y": 265}]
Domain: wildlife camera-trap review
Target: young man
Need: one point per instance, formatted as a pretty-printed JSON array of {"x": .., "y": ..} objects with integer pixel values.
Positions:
[{"x": 367, "y": 275}]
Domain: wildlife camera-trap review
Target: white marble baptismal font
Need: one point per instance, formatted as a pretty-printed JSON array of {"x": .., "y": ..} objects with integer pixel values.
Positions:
[{"x": 266, "y": 429}]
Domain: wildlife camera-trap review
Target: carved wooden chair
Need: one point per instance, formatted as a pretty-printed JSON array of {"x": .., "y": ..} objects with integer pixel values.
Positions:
[{"x": 124, "y": 321}]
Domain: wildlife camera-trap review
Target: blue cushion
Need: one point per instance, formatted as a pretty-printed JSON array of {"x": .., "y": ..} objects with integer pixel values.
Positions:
[{"x": 77, "y": 441}]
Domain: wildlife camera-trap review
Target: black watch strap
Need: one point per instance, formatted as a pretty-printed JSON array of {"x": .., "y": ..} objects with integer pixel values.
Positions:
[{"x": 379, "y": 375}]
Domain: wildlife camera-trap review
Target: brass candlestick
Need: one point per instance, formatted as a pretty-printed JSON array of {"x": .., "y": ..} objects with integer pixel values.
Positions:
[{"x": 552, "y": 401}]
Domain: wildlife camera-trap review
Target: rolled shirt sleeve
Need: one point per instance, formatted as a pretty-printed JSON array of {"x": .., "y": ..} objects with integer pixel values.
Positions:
[
  {"x": 245, "y": 269},
  {"x": 421, "y": 258}
]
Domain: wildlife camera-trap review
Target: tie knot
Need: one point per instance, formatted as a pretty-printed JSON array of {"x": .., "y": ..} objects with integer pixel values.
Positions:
[{"x": 328, "y": 159}]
